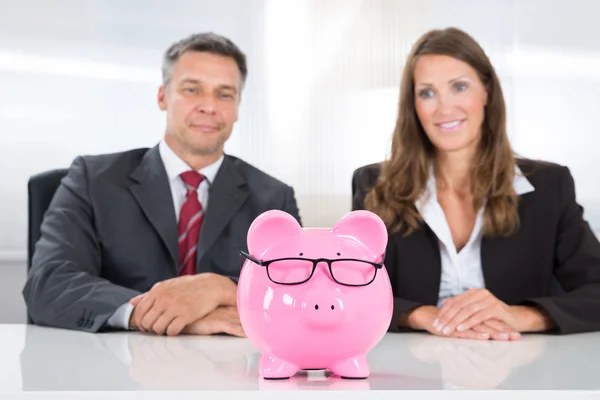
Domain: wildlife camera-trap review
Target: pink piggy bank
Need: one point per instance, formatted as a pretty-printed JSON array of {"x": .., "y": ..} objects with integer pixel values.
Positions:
[{"x": 315, "y": 298}]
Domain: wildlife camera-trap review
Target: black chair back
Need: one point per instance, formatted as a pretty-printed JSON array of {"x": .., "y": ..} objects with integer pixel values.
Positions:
[{"x": 40, "y": 189}]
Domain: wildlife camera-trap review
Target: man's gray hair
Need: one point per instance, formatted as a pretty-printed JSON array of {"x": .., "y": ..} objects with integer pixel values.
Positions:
[{"x": 204, "y": 42}]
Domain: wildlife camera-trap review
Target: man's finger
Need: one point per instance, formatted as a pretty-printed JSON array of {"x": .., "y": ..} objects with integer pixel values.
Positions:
[
  {"x": 162, "y": 323},
  {"x": 199, "y": 327},
  {"x": 233, "y": 329},
  {"x": 210, "y": 326},
  {"x": 239, "y": 331},
  {"x": 150, "y": 318},
  {"x": 175, "y": 327},
  {"x": 233, "y": 317},
  {"x": 142, "y": 308},
  {"x": 134, "y": 301}
]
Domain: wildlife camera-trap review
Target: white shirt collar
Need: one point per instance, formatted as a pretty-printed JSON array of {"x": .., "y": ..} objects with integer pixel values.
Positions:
[
  {"x": 520, "y": 184},
  {"x": 175, "y": 165},
  {"x": 433, "y": 215}
]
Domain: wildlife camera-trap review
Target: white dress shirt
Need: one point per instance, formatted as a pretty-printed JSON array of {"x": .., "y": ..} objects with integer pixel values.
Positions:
[
  {"x": 461, "y": 270},
  {"x": 174, "y": 166}
]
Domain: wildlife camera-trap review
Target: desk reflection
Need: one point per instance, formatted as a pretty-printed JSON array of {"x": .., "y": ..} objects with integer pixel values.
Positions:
[
  {"x": 55, "y": 359},
  {"x": 475, "y": 364},
  {"x": 191, "y": 363}
]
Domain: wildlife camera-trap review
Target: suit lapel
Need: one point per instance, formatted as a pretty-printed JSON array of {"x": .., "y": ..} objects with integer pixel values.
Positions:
[
  {"x": 498, "y": 254},
  {"x": 428, "y": 275},
  {"x": 152, "y": 191},
  {"x": 226, "y": 196},
  {"x": 493, "y": 258}
]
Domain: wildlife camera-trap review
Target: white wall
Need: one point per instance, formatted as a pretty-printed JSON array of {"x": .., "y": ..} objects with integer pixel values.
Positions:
[{"x": 80, "y": 77}]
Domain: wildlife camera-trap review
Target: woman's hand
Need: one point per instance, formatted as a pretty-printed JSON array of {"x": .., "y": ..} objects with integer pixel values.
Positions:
[
  {"x": 478, "y": 306},
  {"x": 422, "y": 318}
]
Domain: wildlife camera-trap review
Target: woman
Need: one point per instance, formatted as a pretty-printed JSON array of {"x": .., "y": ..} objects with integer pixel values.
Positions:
[{"x": 477, "y": 236}]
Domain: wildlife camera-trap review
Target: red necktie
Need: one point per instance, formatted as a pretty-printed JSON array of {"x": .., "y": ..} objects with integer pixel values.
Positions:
[{"x": 190, "y": 221}]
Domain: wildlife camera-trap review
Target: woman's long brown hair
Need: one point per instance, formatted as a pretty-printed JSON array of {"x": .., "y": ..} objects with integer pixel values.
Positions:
[{"x": 404, "y": 176}]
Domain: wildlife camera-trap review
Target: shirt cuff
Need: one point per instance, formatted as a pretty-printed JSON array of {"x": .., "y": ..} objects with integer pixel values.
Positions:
[{"x": 120, "y": 318}]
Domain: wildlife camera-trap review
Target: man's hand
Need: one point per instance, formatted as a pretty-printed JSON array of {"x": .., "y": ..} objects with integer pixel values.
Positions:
[
  {"x": 222, "y": 320},
  {"x": 422, "y": 318},
  {"x": 478, "y": 306},
  {"x": 172, "y": 304}
]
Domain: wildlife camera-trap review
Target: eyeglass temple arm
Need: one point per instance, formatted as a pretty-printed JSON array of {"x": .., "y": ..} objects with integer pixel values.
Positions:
[{"x": 249, "y": 257}]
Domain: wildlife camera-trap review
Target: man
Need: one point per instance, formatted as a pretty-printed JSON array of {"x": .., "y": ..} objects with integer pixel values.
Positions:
[{"x": 149, "y": 239}]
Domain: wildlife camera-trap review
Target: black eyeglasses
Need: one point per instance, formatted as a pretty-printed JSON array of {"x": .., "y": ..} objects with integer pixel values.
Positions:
[{"x": 297, "y": 270}]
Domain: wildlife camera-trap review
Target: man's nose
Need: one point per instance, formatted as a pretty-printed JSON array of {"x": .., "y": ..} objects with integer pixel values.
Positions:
[{"x": 206, "y": 104}]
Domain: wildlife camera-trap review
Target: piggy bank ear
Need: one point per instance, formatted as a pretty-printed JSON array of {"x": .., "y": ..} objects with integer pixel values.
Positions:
[
  {"x": 269, "y": 228},
  {"x": 366, "y": 227}
]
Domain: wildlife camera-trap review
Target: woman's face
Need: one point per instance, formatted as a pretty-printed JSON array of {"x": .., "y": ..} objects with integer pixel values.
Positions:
[{"x": 449, "y": 100}]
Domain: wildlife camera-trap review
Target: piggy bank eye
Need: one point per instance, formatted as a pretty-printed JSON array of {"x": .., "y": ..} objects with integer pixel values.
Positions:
[
  {"x": 301, "y": 254},
  {"x": 338, "y": 254}
]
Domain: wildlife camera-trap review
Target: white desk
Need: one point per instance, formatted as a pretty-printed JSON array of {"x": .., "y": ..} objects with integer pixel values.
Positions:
[{"x": 45, "y": 359}]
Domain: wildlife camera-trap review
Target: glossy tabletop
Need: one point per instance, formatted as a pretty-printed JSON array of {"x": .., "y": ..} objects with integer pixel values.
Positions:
[{"x": 45, "y": 359}]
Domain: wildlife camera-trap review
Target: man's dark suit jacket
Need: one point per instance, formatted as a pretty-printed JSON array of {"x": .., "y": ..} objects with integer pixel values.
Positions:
[
  {"x": 110, "y": 233},
  {"x": 553, "y": 241}
]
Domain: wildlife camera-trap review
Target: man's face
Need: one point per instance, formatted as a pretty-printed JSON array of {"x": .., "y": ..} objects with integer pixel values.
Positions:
[{"x": 201, "y": 102}]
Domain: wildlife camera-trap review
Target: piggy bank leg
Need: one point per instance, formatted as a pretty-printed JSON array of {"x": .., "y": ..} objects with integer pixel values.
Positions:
[
  {"x": 352, "y": 368},
  {"x": 272, "y": 367}
]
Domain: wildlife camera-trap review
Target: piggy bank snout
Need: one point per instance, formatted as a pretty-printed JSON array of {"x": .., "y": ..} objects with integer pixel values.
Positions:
[{"x": 323, "y": 308}]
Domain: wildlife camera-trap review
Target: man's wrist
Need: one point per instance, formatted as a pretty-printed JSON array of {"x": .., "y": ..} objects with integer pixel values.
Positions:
[
  {"x": 225, "y": 288},
  {"x": 228, "y": 291}
]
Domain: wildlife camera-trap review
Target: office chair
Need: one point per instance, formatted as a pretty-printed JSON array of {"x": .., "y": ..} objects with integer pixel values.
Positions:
[{"x": 40, "y": 190}]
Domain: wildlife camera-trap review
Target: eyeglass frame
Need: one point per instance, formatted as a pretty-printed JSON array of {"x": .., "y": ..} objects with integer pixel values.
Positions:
[{"x": 315, "y": 262}]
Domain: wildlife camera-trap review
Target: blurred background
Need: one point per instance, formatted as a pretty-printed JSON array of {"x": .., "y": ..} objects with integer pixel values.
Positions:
[{"x": 81, "y": 77}]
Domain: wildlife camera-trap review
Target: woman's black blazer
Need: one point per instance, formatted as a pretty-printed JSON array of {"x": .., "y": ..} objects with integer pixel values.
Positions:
[{"x": 554, "y": 244}]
